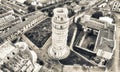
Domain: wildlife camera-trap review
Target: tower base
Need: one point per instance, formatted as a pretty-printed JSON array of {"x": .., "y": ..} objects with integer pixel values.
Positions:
[{"x": 58, "y": 54}]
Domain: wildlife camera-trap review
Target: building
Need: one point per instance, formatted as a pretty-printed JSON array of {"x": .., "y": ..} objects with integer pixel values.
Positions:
[
  {"x": 20, "y": 1},
  {"x": 106, "y": 19},
  {"x": 18, "y": 58},
  {"x": 97, "y": 40},
  {"x": 115, "y": 6},
  {"x": 19, "y": 8},
  {"x": 44, "y": 2},
  {"x": 6, "y": 14},
  {"x": 60, "y": 25},
  {"x": 21, "y": 27},
  {"x": 78, "y": 68},
  {"x": 7, "y": 25}
]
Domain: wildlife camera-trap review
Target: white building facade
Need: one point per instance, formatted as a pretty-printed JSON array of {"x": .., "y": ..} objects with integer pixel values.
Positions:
[{"x": 115, "y": 6}]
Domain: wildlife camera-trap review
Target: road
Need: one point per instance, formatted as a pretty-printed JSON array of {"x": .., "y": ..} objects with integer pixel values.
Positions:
[
  {"x": 116, "y": 57},
  {"x": 55, "y": 5},
  {"x": 117, "y": 51}
]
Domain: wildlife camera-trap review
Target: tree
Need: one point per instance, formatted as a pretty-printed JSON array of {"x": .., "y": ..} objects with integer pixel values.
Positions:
[
  {"x": 27, "y": 3},
  {"x": 31, "y": 8},
  {"x": 82, "y": 8},
  {"x": 97, "y": 15},
  {"x": 70, "y": 12},
  {"x": 50, "y": 13}
]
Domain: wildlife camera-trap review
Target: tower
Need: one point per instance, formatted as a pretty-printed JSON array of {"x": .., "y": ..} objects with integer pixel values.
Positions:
[{"x": 60, "y": 24}]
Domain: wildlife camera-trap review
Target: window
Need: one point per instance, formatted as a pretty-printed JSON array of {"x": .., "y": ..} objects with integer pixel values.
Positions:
[
  {"x": 61, "y": 19},
  {"x": 61, "y": 27},
  {"x": 8, "y": 58},
  {"x": 114, "y": 6},
  {"x": 13, "y": 53}
]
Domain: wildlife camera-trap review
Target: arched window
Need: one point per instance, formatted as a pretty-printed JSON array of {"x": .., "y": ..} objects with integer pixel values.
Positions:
[{"x": 61, "y": 27}]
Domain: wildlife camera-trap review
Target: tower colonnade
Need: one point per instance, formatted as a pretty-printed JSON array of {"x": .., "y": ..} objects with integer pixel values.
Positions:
[{"x": 60, "y": 25}]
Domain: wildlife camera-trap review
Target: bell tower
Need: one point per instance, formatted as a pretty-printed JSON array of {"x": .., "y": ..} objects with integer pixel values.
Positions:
[{"x": 60, "y": 24}]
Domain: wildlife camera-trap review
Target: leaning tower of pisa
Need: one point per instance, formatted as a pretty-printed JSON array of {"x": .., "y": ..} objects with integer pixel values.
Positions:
[{"x": 60, "y": 24}]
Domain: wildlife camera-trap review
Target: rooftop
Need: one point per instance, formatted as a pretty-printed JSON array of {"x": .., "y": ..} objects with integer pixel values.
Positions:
[{"x": 19, "y": 26}]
